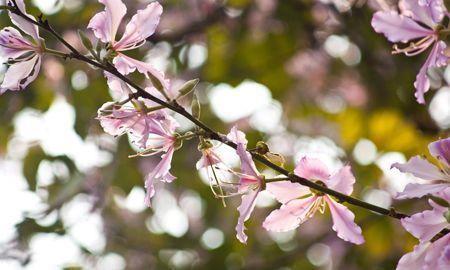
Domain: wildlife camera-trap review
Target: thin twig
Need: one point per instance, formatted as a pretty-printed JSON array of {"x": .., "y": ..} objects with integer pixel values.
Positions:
[{"x": 210, "y": 133}]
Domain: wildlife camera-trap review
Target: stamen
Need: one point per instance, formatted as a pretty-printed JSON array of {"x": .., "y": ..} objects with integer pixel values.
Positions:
[
  {"x": 415, "y": 48},
  {"x": 217, "y": 182}
]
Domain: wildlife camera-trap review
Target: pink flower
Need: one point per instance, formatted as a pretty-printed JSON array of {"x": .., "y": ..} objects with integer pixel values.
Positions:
[
  {"x": 22, "y": 55},
  {"x": 161, "y": 171},
  {"x": 439, "y": 178},
  {"x": 163, "y": 139},
  {"x": 250, "y": 182},
  {"x": 117, "y": 120},
  {"x": 424, "y": 226},
  {"x": 154, "y": 132},
  {"x": 418, "y": 20},
  {"x": 427, "y": 224},
  {"x": 299, "y": 203},
  {"x": 142, "y": 25}
]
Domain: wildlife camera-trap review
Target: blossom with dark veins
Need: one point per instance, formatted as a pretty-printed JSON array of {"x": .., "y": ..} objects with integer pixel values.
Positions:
[
  {"x": 438, "y": 177},
  {"x": 419, "y": 22},
  {"x": 21, "y": 55}
]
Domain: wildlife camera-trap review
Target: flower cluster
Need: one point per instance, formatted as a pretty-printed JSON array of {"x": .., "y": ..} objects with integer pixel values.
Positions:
[
  {"x": 429, "y": 254},
  {"x": 153, "y": 129}
]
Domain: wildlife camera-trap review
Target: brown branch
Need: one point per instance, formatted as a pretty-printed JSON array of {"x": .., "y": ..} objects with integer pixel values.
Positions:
[{"x": 209, "y": 132}]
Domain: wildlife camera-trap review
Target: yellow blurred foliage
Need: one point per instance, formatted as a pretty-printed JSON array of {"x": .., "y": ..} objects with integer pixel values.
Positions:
[{"x": 386, "y": 128}]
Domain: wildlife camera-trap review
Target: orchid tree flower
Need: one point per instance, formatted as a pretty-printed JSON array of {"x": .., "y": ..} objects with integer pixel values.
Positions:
[
  {"x": 117, "y": 120},
  {"x": 438, "y": 178},
  {"x": 418, "y": 22},
  {"x": 424, "y": 226},
  {"x": 154, "y": 131},
  {"x": 300, "y": 203},
  {"x": 21, "y": 55},
  {"x": 164, "y": 141},
  {"x": 142, "y": 25},
  {"x": 250, "y": 182}
]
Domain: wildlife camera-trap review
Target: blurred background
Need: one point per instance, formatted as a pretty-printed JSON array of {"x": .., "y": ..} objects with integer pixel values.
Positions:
[{"x": 308, "y": 77}]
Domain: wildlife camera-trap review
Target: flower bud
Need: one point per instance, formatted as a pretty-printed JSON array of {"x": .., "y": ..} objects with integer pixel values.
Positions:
[
  {"x": 187, "y": 88},
  {"x": 85, "y": 41},
  {"x": 196, "y": 107},
  {"x": 262, "y": 148},
  {"x": 158, "y": 85}
]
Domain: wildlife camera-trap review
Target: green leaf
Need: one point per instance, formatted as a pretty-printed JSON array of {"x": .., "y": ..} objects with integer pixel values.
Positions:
[{"x": 31, "y": 165}]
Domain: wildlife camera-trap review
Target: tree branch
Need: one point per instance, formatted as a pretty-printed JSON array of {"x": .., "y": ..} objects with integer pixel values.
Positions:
[{"x": 209, "y": 132}]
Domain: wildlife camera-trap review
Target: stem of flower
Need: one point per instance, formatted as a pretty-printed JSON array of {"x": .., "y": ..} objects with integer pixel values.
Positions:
[
  {"x": 279, "y": 179},
  {"x": 55, "y": 52}
]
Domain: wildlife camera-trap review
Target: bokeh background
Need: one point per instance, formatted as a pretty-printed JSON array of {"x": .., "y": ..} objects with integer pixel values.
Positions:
[{"x": 308, "y": 77}]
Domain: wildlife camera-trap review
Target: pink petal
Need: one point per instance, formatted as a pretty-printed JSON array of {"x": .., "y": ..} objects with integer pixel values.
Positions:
[
  {"x": 21, "y": 74},
  {"x": 285, "y": 191},
  {"x": 441, "y": 150},
  {"x": 141, "y": 26},
  {"x": 312, "y": 169},
  {"x": 245, "y": 209},
  {"x": 99, "y": 25},
  {"x": 13, "y": 44},
  {"x": 437, "y": 254},
  {"x": 427, "y": 224},
  {"x": 444, "y": 259},
  {"x": 164, "y": 167},
  {"x": 420, "y": 168},
  {"x": 209, "y": 158},
  {"x": 126, "y": 65},
  {"x": 398, "y": 28},
  {"x": 413, "y": 190},
  {"x": 237, "y": 136},
  {"x": 414, "y": 260},
  {"x": 139, "y": 125},
  {"x": 342, "y": 181},
  {"x": 119, "y": 121},
  {"x": 117, "y": 87},
  {"x": 150, "y": 190},
  {"x": 24, "y": 25},
  {"x": 289, "y": 216},
  {"x": 436, "y": 9},
  {"x": 247, "y": 165},
  {"x": 160, "y": 172},
  {"x": 419, "y": 11},
  {"x": 106, "y": 23},
  {"x": 435, "y": 59},
  {"x": 343, "y": 222}
]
